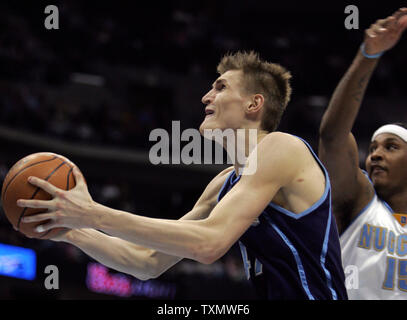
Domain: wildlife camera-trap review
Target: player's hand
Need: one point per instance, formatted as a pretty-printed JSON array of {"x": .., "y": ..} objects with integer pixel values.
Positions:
[
  {"x": 62, "y": 236},
  {"x": 385, "y": 33},
  {"x": 70, "y": 209}
]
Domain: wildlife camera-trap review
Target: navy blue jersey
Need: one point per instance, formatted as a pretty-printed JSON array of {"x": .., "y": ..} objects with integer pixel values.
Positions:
[{"x": 293, "y": 256}]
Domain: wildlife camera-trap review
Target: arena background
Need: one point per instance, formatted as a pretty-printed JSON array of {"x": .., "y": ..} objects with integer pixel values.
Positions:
[{"x": 94, "y": 89}]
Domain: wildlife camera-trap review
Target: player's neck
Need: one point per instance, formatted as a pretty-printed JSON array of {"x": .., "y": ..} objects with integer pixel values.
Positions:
[
  {"x": 397, "y": 201},
  {"x": 244, "y": 144}
]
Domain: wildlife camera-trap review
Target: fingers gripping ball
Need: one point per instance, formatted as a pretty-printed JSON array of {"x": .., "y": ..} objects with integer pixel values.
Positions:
[{"x": 51, "y": 167}]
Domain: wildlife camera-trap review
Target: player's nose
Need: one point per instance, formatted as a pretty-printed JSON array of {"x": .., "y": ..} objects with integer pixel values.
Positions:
[
  {"x": 377, "y": 154},
  {"x": 207, "y": 98}
]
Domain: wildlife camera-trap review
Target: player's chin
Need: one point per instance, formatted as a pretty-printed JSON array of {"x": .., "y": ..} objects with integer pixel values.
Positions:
[
  {"x": 207, "y": 124},
  {"x": 379, "y": 183}
]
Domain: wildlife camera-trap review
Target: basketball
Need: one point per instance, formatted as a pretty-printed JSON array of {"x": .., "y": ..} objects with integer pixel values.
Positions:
[{"x": 51, "y": 167}]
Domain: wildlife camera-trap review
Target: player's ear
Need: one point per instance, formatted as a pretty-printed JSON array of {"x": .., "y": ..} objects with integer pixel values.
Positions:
[{"x": 256, "y": 103}]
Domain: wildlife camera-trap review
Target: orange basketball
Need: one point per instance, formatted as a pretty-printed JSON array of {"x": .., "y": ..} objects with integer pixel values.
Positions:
[{"x": 51, "y": 167}]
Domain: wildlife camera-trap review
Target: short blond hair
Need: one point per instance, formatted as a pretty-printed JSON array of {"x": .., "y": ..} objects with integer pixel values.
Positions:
[{"x": 269, "y": 79}]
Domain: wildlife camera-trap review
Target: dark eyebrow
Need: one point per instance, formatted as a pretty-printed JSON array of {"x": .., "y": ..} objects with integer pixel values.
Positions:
[
  {"x": 387, "y": 140},
  {"x": 219, "y": 81},
  {"x": 393, "y": 140},
  {"x": 371, "y": 145}
]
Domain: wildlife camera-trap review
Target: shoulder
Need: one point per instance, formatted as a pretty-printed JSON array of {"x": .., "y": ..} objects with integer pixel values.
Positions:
[
  {"x": 220, "y": 178},
  {"x": 282, "y": 149},
  {"x": 210, "y": 194},
  {"x": 278, "y": 158},
  {"x": 283, "y": 143}
]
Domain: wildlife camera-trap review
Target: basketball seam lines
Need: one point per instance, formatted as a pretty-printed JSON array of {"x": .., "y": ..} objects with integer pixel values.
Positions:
[
  {"x": 67, "y": 180},
  {"x": 11, "y": 180},
  {"x": 36, "y": 191}
]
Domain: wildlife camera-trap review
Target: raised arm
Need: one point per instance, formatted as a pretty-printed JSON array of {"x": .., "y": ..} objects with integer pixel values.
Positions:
[
  {"x": 141, "y": 262},
  {"x": 338, "y": 150}
]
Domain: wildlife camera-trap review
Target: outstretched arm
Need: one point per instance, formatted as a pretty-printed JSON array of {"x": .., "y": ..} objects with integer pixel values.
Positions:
[
  {"x": 203, "y": 240},
  {"x": 337, "y": 146},
  {"x": 141, "y": 262},
  {"x": 121, "y": 255}
]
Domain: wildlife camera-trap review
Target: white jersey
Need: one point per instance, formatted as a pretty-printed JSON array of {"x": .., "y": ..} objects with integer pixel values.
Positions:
[{"x": 374, "y": 254}]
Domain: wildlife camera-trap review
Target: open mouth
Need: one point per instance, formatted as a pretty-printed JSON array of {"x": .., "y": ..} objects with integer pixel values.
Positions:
[{"x": 209, "y": 112}]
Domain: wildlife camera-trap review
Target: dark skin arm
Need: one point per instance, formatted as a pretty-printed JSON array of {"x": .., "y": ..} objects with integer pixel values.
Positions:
[{"x": 338, "y": 150}]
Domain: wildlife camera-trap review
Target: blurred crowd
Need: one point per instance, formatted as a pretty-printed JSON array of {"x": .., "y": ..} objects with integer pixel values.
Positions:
[
  {"x": 113, "y": 72},
  {"x": 182, "y": 41}
]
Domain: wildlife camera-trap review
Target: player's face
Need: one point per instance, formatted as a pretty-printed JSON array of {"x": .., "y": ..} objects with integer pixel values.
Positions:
[
  {"x": 225, "y": 102},
  {"x": 386, "y": 163}
]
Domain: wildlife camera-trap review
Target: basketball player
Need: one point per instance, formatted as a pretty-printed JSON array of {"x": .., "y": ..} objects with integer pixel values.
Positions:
[
  {"x": 280, "y": 214},
  {"x": 366, "y": 204}
]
